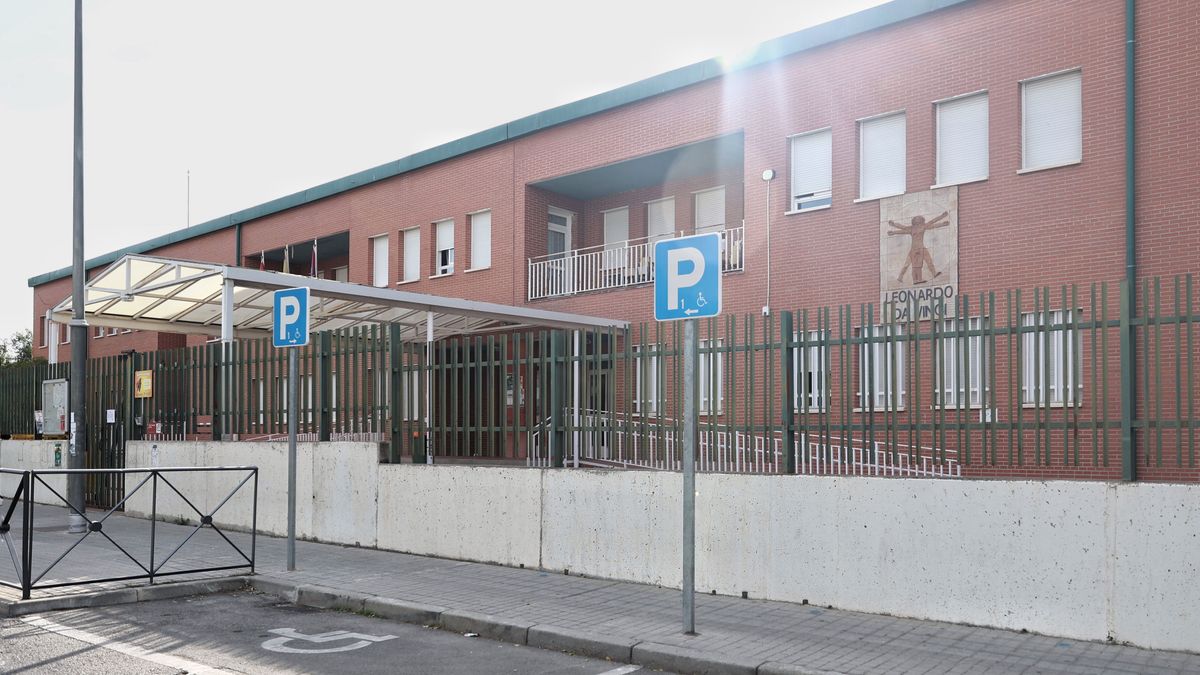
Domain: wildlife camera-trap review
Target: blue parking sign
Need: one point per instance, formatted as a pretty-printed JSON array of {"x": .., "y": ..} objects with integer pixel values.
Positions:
[
  {"x": 289, "y": 313},
  {"x": 687, "y": 277}
]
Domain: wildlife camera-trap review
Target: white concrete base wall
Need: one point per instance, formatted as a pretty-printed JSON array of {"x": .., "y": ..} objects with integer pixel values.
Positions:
[
  {"x": 486, "y": 514},
  {"x": 28, "y": 455},
  {"x": 1085, "y": 560},
  {"x": 336, "y": 486}
]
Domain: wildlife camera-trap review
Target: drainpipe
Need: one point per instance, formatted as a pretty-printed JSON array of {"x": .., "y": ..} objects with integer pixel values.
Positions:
[
  {"x": 237, "y": 245},
  {"x": 1129, "y": 298}
]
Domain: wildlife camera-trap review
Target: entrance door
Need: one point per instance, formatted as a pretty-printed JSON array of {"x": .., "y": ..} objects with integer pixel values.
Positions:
[{"x": 558, "y": 247}]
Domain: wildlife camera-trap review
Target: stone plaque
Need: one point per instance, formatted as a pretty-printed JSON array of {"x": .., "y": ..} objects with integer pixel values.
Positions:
[{"x": 918, "y": 254}]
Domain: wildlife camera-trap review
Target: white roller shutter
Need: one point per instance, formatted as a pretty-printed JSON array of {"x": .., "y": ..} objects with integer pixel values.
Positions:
[
  {"x": 1052, "y": 121},
  {"x": 444, "y": 241},
  {"x": 379, "y": 261},
  {"x": 710, "y": 210},
  {"x": 812, "y": 169},
  {"x": 882, "y": 156},
  {"x": 962, "y": 142},
  {"x": 481, "y": 240},
  {"x": 616, "y": 234},
  {"x": 660, "y": 218},
  {"x": 412, "y": 254}
]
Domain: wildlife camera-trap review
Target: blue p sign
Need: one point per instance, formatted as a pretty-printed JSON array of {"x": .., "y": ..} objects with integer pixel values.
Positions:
[
  {"x": 289, "y": 326},
  {"x": 687, "y": 277}
]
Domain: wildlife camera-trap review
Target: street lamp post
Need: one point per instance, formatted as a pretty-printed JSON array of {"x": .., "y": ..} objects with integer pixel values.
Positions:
[{"x": 78, "y": 429}]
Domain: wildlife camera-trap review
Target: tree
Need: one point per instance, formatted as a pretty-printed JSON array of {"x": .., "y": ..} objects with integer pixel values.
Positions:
[{"x": 17, "y": 350}]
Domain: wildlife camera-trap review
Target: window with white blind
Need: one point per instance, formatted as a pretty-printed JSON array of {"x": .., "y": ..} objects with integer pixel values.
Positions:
[
  {"x": 962, "y": 139},
  {"x": 881, "y": 368},
  {"x": 812, "y": 170},
  {"x": 710, "y": 210},
  {"x": 810, "y": 375},
  {"x": 341, "y": 273},
  {"x": 963, "y": 369},
  {"x": 1051, "y": 121},
  {"x": 1050, "y": 357},
  {"x": 712, "y": 385},
  {"x": 443, "y": 256},
  {"x": 660, "y": 218},
  {"x": 881, "y": 156},
  {"x": 481, "y": 240},
  {"x": 412, "y": 254},
  {"x": 646, "y": 396},
  {"x": 379, "y": 260},
  {"x": 616, "y": 237},
  {"x": 411, "y": 405}
]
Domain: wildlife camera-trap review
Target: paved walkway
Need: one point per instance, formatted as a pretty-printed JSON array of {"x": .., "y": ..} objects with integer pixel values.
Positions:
[{"x": 735, "y": 635}]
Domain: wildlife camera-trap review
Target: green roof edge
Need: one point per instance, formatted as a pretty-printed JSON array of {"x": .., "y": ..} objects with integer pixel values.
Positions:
[{"x": 809, "y": 38}]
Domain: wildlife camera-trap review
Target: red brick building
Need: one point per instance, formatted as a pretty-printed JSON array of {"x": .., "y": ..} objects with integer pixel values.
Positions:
[{"x": 1020, "y": 104}]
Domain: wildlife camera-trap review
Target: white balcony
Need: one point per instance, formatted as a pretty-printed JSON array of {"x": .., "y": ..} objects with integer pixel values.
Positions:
[{"x": 616, "y": 265}]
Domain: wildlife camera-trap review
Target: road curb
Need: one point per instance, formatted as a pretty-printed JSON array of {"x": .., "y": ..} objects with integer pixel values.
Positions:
[
  {"x": 581, "y": 642},
  {"x": 122, "y": 596},
  {"x": 617, "y": 649},
  {"x": 684, "y": 660}
]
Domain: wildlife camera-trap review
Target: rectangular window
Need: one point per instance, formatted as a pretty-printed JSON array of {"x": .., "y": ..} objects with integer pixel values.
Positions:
[
  {"x": 616, "y": 238},
  {"x": 341, "y": 274},
  {"x": 412, "y": 402},
  {"x": 113, "y": 331},
  {"x": 660, "y": 218},
  {"x": 881, "y": 368},
  {"x": 645, "y": 401},
  {"x": 962, "y": 368},
  {"x": 881, "y": 156},
  {"x": 711, "y": 382},
  {"x": 1050, "y": 356},
  {"x": 812, "y": 170},
  {"x": 412, "y": 254},
  {"x": 962, "y": 139},
  {"x": 481, "y": 240},
  {"x": 99, "y": 332},
  {"x": 64, "y": 334},
  {"x": 710, "y": 210},
  {"x": 45, "y": 331},
  {"x": 810, "y": 372},
  {"x": 443, "y": 259},
  {"x": 379, "y": 261},
  {"x": 1051, "y": 121}
]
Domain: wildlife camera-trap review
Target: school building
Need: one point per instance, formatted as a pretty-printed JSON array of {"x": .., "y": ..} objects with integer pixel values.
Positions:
[{"x": 965, "y": 227}]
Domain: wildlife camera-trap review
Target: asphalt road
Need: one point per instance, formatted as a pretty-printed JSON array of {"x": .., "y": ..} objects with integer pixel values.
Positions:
[{"x": 249, "y": 632}]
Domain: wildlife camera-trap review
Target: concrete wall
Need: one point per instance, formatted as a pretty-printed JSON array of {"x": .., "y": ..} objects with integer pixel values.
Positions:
[
  {"x": 336, "y": 486},
  {"x": 27, "y": 455},
  {"x": 1086, "y": 560}
]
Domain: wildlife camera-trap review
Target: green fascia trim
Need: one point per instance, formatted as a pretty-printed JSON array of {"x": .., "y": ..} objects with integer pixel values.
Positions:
[{"x": 809, "y": 38}]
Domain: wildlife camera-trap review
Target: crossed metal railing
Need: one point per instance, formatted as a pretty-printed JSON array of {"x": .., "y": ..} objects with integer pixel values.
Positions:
[{"x": 151, "y": 566}]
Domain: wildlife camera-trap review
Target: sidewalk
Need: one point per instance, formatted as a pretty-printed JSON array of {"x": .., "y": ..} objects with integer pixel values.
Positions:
[{"x": 626, "y": 621}]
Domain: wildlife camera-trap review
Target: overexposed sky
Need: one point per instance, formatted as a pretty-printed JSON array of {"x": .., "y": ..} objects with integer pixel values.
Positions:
[{"x": 262, "y": 98}]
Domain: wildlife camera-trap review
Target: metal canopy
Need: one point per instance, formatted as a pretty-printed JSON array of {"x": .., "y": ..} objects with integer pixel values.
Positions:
[{"x": 182, "y": 296}]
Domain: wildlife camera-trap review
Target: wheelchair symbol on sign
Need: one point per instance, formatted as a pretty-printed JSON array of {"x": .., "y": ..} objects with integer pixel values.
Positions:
[{"x": 279, "y": 644}]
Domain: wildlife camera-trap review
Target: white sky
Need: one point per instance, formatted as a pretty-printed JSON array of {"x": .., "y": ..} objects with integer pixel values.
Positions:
[{"x": 262, "y": 98}]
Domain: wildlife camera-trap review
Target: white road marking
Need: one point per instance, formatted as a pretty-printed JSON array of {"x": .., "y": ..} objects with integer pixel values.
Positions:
[
  {"x": 125, "y": 648},
  {"x": 287, "y": 634},
  {"x": 622, "y": 670}
]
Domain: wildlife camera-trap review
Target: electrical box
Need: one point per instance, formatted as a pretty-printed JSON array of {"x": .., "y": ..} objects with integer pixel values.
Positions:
[{"x": 56, "y": 408}]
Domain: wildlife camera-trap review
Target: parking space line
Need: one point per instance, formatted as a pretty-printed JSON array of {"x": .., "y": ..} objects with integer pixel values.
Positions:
[{"x": 125, "y": 648}]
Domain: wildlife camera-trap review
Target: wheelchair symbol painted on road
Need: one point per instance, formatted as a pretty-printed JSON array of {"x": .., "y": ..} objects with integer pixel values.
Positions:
[{"x": 286, "y": 635}]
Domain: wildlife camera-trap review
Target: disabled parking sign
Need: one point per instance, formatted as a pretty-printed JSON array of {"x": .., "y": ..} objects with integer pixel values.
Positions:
[
  {"x": 687, "y": 277},
  {"x": 289, "y": 313}
]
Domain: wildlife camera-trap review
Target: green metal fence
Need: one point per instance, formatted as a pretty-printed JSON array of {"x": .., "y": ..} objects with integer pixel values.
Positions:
[{"x": 996, "y": 384}]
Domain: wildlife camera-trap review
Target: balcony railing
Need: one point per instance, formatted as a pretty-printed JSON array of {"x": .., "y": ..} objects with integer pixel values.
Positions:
[{"x": 617, "y": 265}]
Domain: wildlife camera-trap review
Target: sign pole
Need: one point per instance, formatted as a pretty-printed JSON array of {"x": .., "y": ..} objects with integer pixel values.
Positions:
[
  {"x": 293, "y": 422},
  {"x": 690, "y": 349}
]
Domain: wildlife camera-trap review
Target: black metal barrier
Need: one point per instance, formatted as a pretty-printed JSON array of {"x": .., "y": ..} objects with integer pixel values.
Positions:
[{"x": 22, "y": 501}]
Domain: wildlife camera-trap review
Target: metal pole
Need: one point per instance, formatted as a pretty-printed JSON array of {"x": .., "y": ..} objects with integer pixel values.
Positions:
[
  {"x": 78, "y": 445},
  {"x": 293, "y": 369},
  {"x": 690, "y": 349},
  {"x": 575, "y": 403}
]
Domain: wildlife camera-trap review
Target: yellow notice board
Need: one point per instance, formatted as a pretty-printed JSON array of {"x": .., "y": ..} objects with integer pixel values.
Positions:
[{"x": 143, "y": 383}]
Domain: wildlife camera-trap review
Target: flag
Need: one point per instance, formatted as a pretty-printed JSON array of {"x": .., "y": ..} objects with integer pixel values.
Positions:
[
  {"x": 312, "y": 271},
  {"x": 287, "y": 263},
  {"x": 262, "y": 261}
]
